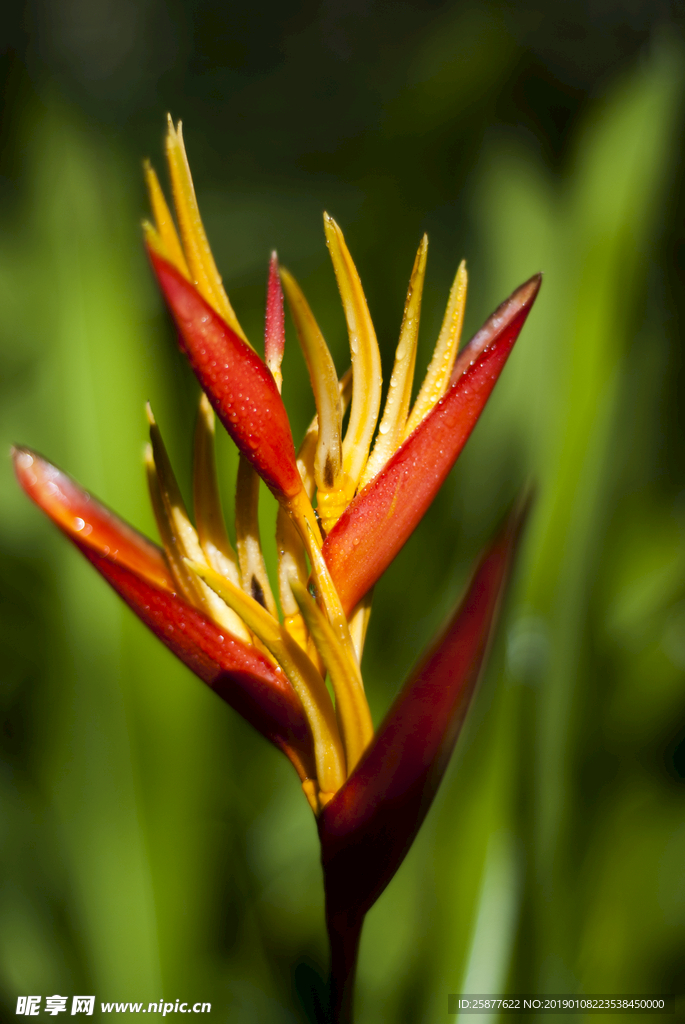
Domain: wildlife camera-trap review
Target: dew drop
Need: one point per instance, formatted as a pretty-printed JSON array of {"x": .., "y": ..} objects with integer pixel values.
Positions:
[{"x": 79, "y": 523}]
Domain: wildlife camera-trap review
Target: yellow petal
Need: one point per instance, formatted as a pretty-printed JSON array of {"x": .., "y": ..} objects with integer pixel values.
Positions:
[
  {"x": 197, "y": 251},
  {"x": 164, "y": 223},
  {"x": 307, "y": 682},
  {"x": 366, "y": 360},
  {"x": 211, "y": 528},
  {"x": 185, "y": 584},
  {"x": 396, "y": 409},
  {"x": 351, "y": 705},
  {"x": 178, "y": 532},
  {"x": 255, "y": 579},
  {"x": 305, "y": 458},
  {"x": 304, "y": 519},
  {"x": 292, "y": 564},
  {"x": 153, "y": 240},
  {"x": 322, "y": 373},
  {"x": 440, "y": 367},
  {"x": 359, "y": 623}
]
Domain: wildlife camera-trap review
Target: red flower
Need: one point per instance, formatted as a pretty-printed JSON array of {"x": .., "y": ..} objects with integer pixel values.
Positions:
[{"x": 213, "y": 605}]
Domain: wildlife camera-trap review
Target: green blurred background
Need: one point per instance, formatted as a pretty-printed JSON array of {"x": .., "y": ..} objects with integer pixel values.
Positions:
[{"x": 152, "y": 845}]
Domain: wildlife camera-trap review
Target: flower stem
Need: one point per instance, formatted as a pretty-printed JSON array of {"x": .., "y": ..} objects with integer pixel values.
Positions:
[{"x": 344, "y": 933}]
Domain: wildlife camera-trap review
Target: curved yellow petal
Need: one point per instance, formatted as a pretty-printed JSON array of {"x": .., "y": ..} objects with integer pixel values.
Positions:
[
  {"x": 292, "y": 563},
  {"x": 183, "y": 580},
  {"x": 396, "y": 409},
  {"x": 324, "y": 379},
  {"x": 179, "y": 537},
  {"x": 359, "y": 623},
  {"x": 351, "y": 706},
  {"x": 164, "y": 222},
  {"x": 307, "y": 682},
  {"x": 303, "y": 516},
  {"x": 209, "y": 520},
  {"x": 255, "y": 579},
  {"x": 203, "y": 269},
  {"x": 366, "y": 360},
  {"x": 440, "y": 367}
]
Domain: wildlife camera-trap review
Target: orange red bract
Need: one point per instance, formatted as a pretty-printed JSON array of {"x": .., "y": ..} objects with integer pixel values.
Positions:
[{"x": 237, "y": 382}]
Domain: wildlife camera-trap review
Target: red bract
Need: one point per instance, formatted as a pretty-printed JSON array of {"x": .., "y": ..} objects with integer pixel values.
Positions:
[
  {"x": 239, "y": 386},
  {"x": 367, "y": 829},
  {"x": 376, "y": 525},
  {"x": 136, "y": 569}
]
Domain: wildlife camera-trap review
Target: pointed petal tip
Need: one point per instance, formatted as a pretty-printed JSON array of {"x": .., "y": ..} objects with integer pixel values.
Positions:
[
  {"x": 96, "y": 530},
  {"x": 23, "y": 459},
  {"x": 274, "y": 326},
  {"x": 529, "y": 289},
  {"x": 330, "y": 225},
  {"x": 206, "y": 410}
]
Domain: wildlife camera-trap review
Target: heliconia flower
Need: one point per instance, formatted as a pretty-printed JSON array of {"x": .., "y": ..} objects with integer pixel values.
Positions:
[{"x": 212, "y": 604}]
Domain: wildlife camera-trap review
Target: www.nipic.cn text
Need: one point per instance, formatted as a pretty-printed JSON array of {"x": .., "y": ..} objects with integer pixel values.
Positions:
[{"x": 30, "y": 1006}]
